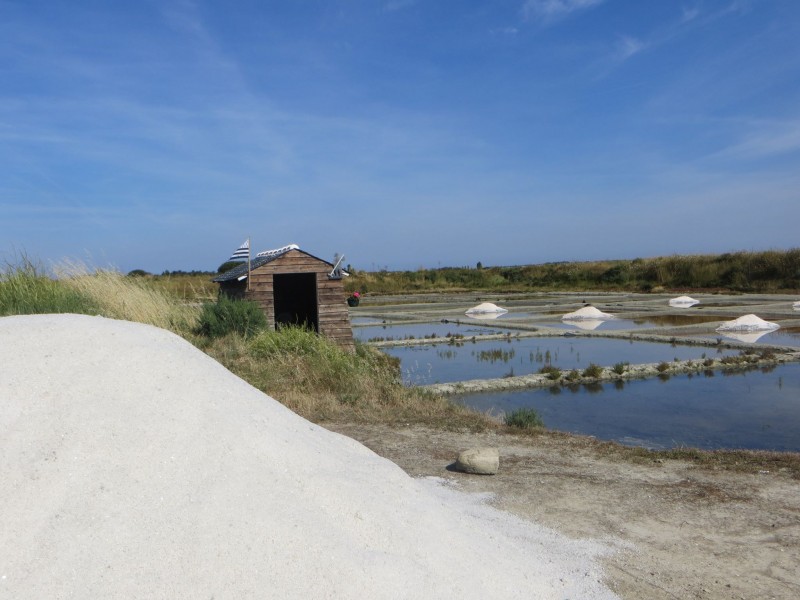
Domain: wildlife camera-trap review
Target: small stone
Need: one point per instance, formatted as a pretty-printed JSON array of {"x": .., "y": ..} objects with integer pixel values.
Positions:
[{"x": 480, "y": 461}]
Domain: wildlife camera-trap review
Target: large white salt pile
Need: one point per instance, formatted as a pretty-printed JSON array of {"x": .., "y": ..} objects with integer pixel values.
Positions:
[
  {"x": 135, "y": 466},
  {"x": 748, "y": 323},
  {"x": 796, "y": 305},
  {"x": 587, "y": 313},
  {"x": 683, "y": 302}
]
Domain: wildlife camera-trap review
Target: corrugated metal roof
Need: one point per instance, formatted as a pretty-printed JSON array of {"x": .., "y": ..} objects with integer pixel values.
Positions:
[{"x": 258, "y": 261}]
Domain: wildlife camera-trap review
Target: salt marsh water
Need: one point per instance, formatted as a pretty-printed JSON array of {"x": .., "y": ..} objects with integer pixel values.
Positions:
[
  {"x": 445, "y": 363},
  {"x": 400, "y": 331},
  {"x": 779, "y": 337},
  {"x": 755, "y": 409}
]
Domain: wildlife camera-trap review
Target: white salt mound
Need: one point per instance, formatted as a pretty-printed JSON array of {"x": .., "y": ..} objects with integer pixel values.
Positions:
[
  {"x": 135, "y": 466},
  {"x": 748, "y": 337},
  {"x": 486, "y": 308},
  {"x": 683, "y": 301},
  {"x": 748, "y": 323},
  {"x": 796, "y": 305},
  {"x": 587, "y": 313}
]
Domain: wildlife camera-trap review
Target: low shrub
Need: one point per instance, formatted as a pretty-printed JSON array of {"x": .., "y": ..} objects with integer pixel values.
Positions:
[
  {"x": 593, "y": 370},
  {"x": 553, "y": 373},
  {"x": 662, "y": 367},
  {"x": 524, "y": 418},
  {"x": 226, "y": 316},
  {"x": 620, "y": 368}
]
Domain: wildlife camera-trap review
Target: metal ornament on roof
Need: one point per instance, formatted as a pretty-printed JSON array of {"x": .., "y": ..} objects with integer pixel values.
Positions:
[
  {"x": 277, "y": 251},
  {"x": 337, "y": 272}
]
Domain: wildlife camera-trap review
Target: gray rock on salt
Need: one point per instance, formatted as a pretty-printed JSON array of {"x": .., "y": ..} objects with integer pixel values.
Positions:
[{"x": 479, "y": 461}]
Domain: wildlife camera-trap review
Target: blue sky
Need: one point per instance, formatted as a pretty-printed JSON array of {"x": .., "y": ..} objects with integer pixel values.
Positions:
[{"x": 402, "y": 133}]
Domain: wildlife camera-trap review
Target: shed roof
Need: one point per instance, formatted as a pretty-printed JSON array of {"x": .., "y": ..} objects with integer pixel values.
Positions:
[{"x": 258, "y": 261}]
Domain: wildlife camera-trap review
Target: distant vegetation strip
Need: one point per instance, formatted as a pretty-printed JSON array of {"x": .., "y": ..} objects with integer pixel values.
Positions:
[
  {"x": 768, "y": 271},
  {"x": 747, "y": 272}
]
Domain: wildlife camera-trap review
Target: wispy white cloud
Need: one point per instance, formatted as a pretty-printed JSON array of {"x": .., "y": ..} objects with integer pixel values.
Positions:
[
  {"x": 691, "y": 18},
  {"x": 551, "y": 10},
  {"x": 690, "y": 13},
  {"x": 504, "y": 31},
  {"x": 765, "y": 140},
  {"x": 393, "y": 5},
  {"x": 628, "y": 46}
]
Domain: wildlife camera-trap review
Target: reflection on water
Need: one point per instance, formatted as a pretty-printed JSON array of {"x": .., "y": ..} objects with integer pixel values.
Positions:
[
  {"x": 675, "y": 320},
  {"x": 390, "y": 331},
  {"x": 521, "y": 356},
  {"x": 758, "y": 409},
  {"x": 638, "y": 323},
  {"x": 789, "y": 336}
]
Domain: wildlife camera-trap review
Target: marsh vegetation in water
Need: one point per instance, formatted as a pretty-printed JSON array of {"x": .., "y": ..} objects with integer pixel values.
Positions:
[
  {"x": 757, "y": 409},
  {"x": 494, "y": 359}
]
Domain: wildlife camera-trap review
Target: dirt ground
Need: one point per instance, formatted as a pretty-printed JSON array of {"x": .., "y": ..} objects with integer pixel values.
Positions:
[{"x": 681, "y": 531}]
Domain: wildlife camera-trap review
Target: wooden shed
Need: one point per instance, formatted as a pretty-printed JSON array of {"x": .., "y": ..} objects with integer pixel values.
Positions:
[{"x": 294, "y": 288}]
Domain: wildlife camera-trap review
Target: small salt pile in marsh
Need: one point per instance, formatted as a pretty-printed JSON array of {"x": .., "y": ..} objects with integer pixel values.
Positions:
[
  {"x": 588, "y": 313},
  {"x": 683, "y": 302},
  {"x": 748, "y": 323}
]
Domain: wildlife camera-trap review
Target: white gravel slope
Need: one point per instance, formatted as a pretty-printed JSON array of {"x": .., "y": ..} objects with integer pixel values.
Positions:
[{"x": 135, "y": 466}]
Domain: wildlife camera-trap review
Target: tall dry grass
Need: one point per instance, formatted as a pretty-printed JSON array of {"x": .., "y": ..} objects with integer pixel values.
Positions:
[{"x": 128, "y": 298}]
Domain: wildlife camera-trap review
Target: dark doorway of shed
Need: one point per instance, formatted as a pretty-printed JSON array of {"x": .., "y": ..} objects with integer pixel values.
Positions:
[{"x": 296, "y": 300}]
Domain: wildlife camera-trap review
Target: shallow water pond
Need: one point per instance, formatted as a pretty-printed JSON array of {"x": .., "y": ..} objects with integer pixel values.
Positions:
[
  {"x": 399, "y": 331},
  {"x": 755, "y": 409},
  {"x": 445, "y": 363},
  {"x": 617, "y": 324}
]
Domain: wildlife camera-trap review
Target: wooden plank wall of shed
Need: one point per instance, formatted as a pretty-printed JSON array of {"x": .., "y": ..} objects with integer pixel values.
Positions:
[{"x": 334, "y": 319}]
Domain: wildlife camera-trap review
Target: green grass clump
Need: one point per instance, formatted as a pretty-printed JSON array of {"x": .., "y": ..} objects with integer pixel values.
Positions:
[
  {"x": 524, "y": 418},
  {"x": 226, "y": 316},
  {"x": 553, "y": 373},
  {"x": 620, "y": 368},
  {"x": 593, "y": 370},
  {"x": 25, "y": 289}
]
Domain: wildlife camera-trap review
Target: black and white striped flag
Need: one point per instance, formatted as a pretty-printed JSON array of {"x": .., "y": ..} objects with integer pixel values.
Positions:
[{"x": 242, "y": 251}]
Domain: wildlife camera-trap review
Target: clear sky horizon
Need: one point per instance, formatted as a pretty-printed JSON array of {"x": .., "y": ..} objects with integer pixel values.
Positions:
[{"x": 158, "y": 135}]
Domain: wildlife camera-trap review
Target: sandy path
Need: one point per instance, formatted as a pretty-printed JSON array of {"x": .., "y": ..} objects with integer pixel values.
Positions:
[{"x": 693, "y": 533}]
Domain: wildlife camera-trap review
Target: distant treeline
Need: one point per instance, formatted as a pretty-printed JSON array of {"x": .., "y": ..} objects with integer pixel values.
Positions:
[{"x": 769, "y": 271}]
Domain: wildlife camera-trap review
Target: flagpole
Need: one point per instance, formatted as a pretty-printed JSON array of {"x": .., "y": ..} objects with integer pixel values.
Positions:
[{"x": 248, "y": 263}]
